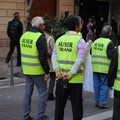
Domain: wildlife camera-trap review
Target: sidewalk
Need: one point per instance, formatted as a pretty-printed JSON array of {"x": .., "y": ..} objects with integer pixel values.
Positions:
[
  {"x": 17, "y": 77},
  {"x": 5, "y": 71}
]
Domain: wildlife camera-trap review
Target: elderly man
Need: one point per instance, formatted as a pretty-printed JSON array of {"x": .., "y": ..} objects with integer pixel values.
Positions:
[
  {"x": 102, "y": 51},
  {"x": 35, "y": 67}
]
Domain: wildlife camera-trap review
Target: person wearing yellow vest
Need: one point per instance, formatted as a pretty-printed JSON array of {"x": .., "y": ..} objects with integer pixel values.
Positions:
[
  {"x": 102, "y": 51},
  {"x": 35, "y": 67},
  {"x": 114, "y": 80},
  {"x": 67, "y": 60}
]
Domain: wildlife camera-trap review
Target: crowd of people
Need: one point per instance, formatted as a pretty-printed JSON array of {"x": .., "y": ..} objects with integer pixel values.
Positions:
[{"x": 61, "y": 62}]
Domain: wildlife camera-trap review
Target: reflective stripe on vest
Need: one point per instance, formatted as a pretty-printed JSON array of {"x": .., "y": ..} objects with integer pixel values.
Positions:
[
  {"x": 29, "y": 54},
  {"x": 117, "y": 80},
  {"x": 100, "y": 62},
  {"x": 66, "y": 47},
  {"x": 30, "y": 57},
  {"x": 70, "y": 63}
]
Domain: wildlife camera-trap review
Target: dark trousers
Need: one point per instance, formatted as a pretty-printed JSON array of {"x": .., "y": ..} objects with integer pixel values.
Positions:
[
  {"x": 14, "y": 43},
  {"x": 116, "y": 106},
  {"x": 75, "y": 93},
  {"x": 52, "y": 82}
]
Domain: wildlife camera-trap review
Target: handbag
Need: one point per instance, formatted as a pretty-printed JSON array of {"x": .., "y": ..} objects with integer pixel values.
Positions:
[{"x": 62, "y": 88}]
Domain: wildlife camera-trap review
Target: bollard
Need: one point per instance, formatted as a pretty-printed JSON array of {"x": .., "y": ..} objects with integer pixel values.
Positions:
[{"x": 11, "y": 72}]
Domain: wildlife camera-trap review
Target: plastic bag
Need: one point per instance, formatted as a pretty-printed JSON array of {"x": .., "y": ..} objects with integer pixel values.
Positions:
[
  {"x": 88, "y": 74},
  {"x": 111, "y": 93}
]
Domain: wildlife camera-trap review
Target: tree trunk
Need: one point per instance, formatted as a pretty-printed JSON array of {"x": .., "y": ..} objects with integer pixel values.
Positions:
[{"x": 27, "y": 16}]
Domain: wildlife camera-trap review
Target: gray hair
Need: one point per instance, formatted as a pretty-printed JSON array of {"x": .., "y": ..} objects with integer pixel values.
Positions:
[
  {"x": 106, "y": 30},
  {"x": 36, "y": 21}
]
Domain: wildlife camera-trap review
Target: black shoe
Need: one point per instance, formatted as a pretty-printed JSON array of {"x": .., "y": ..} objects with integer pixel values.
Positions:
[
  {"x": 18, "y": 64},
  {"x": 97, "y": 105},
  {"x": 51, "y": 97},
  {"x": 6, "y": 61},
  {"x": 17, "y": 74},
  {"x": 30, "y": 118}
]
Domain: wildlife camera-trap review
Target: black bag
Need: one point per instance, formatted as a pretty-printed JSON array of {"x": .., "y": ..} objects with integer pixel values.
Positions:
[{"x": 62, "y": 88}]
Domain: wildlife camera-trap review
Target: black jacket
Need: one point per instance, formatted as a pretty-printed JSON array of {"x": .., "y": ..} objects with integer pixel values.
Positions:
[
  {"x": 112, "y": 74},
  {"x": 42, "y": 49},
  {"x": 15, "y": 29}
]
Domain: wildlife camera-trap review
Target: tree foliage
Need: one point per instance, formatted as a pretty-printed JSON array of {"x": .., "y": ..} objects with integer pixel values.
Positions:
[{"x": 59, "y": 27}]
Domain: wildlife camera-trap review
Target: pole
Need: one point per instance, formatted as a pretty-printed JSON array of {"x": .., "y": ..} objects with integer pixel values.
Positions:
[
  {"x": 11, "y": 72},
  {"x": 110, "y": 13}
]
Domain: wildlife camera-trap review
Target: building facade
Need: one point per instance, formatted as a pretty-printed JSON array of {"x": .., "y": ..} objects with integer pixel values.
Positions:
[{"x": 8, "y": 7}]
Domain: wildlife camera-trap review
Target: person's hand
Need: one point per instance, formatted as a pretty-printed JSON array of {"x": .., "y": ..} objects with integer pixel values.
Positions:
[
  {"x": 89, "y": 42},
  {"x": 58, "y": 75},
  {"x": 47, "y": 77},
  {"x": 68, "y": 76},
  {"x": 110, "y": 83},
  {"x": 110, "y": 88}
]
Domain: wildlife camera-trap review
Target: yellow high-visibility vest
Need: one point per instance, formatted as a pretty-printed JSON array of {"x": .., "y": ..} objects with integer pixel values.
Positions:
[
  {"x": 100, "y": 61},
  {"x": 117, "y": 80},
  {"x": 66, "y": 47},
  {"x": 29, "y": 54}
]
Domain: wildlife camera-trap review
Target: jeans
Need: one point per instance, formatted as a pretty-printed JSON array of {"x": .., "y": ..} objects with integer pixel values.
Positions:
[
  {"x": 41, "y": 85},
  {"x": 100, "y": 87}
]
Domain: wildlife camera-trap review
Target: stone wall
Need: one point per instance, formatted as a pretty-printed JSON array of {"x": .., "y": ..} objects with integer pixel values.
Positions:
[
  {"x": 7, "y": 8},
  {"x": 65, "y": 5}
]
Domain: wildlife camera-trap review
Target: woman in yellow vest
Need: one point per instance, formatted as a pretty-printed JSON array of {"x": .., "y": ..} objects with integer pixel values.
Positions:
[
  {"x": 67, "y": 59},
  {"x": 102, "y": 51},
  {"x": 114, "y": 79}
]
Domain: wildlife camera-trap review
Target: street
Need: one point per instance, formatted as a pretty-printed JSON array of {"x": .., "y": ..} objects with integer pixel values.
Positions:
[{"x": 11, "y": 105}]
